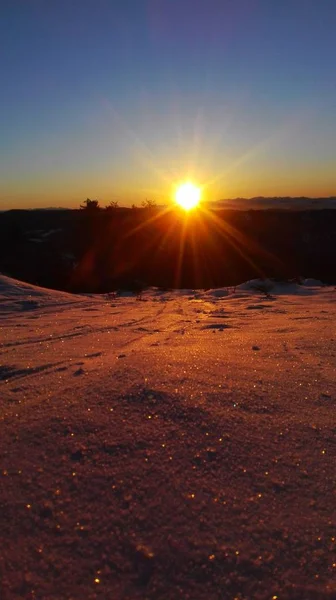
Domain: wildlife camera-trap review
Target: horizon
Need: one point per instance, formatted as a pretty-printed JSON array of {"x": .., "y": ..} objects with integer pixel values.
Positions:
[
  {"x": 172, "y": 205},
  {"x": 122, "y": 102}
]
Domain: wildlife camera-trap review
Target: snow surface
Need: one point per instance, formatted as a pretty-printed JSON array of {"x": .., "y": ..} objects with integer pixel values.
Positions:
[{"x": 179, "y": 444}]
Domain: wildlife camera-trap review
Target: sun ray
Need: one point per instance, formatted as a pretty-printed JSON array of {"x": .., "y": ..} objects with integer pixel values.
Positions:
[
  {"x": 180, "y": 254},
  {"x": 158, "y": 214},
  {"x": 240, "y": 242}
]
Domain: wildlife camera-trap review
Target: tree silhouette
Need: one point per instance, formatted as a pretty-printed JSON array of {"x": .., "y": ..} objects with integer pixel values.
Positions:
[
  {"x": 148, "y": 203},
  {"x": 90, "y": 205},
  {"x": 112, "y": 206}
]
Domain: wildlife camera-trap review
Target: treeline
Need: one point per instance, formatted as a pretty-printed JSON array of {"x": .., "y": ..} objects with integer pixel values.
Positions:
[{"x": 92, "y": 206}]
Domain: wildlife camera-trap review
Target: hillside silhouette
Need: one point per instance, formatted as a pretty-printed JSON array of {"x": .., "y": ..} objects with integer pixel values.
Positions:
[{"x": 99, "y": 250}]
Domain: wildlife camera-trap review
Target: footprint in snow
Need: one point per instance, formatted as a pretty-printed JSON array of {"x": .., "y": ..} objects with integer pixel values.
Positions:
[
  {"x": 219, "y": 326},
  {"x": 79, "y": 371},
  {"x": 258, "y": 306}
]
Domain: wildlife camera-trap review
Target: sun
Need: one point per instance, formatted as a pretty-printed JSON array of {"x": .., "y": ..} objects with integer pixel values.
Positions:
[{"x": 188, "y": 195}]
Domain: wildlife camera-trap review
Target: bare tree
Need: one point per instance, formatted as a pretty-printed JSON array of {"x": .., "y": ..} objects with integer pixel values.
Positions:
[
  {"x": 112, "y": 206},
  {"x": 148, "y": 203}
]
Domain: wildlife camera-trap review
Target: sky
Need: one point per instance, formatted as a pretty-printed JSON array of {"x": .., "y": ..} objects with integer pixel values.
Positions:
[{"x": 120, "y": 100}]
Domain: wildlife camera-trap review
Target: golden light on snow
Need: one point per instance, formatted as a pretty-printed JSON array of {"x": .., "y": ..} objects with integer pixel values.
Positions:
[{"x": 188, "y": 195}]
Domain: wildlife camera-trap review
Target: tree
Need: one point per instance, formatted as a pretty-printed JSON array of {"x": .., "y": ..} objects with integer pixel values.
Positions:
[
  {"x": 148, "y": 203},
  {"x": 112, "y": 206},
  {"x": 91, "y": 205}
]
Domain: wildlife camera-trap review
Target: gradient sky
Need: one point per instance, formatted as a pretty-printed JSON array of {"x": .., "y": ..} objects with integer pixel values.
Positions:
[{"x": 120, "y": 99}]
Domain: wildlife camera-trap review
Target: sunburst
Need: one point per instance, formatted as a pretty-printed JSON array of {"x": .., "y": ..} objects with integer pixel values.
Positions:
[{"x": 188, "y": 195}]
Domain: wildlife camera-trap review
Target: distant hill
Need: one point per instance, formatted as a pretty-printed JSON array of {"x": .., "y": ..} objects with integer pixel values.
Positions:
[{"x": 275, "y": 203}]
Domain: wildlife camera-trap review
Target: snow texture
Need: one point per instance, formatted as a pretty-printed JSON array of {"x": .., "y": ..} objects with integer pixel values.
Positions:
[{"x": 174, "y": 444}]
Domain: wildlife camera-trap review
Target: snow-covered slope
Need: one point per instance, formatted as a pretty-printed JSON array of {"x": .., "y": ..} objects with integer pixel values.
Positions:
[
  {"x": 18, "y": 296},
  {"x": 180, "y": 445}
]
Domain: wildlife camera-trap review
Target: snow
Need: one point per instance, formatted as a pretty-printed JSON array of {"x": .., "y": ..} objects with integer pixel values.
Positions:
[
  {"x": 18, "y": 296},
  {"x": 180, "y": 444}
]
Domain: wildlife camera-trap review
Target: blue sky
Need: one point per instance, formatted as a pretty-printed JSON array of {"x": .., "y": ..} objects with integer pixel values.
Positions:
[{"x": 121, "y": 99}]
